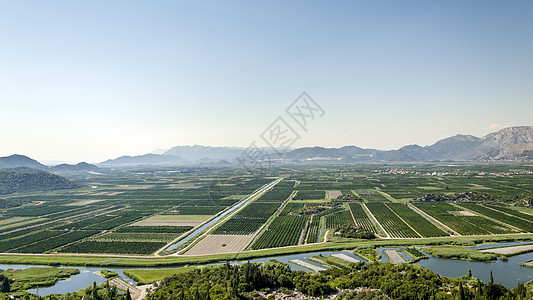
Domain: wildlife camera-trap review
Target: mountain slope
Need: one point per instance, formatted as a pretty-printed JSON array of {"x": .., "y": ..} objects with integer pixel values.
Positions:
[
  {"x": 196, "y": 152},
  {"x": 147, "y": 159},
  {"x": 81, "y": 167},
  {"x": 23, "y": 180},
  {"x": 512, "y": 144},
  {"x": 16, "y": 161}
]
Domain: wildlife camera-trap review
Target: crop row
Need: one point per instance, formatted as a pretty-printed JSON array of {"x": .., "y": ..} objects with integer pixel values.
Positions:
[
  {"x": 465, "y": 225},
  {"x": 113, "y": 247},
  {"x": 513, "y": 212},
  {"x": 339, "y": 219},
  {"x": 394, "y": 226},
  {"x": 275, "y": 195},
  {"x": 54, "y": 242},
  {"x": 314, "y": 230},
  {"x": 136, "y": 237},
  {"x": 283, "y": 231},
  {"x": 310, "y": 195},
  {"x": 419, "y": 223},
  {"x": 361, "y": 218},
  {"x": 497, "y": 215},
  {"x": 196, "y": 210},
  {"x": 9, "y": 244},
  {"x": 154, "y": 229},
  {"x": 371, "y": 195},
  {"x": 249, "y": 219}
]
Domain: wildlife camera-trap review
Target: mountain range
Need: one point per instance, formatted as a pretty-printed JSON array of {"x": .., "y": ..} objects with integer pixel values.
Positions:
[
  {"x": 21, "y": 161},
  {"x": 508, "y": 144}
]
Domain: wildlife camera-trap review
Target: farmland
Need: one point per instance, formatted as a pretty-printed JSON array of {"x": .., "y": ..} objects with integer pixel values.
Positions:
[{"x": 142, "y": 212}]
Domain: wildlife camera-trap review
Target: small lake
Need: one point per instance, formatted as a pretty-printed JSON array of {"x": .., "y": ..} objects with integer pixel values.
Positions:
[{"x": 508, "y": 273}]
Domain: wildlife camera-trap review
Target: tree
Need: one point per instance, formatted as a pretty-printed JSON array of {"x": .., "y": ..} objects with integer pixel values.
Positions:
[
  {"x": 128, "y": 295},
  {"x": 461, "y": 293},
  {"x": 6, "y": 286}
]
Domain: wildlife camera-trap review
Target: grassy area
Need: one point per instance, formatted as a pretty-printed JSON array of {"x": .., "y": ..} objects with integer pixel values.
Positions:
[
  {"x": 369, "y": 254},
  {"x": 459, "y": 252},
  {"x": 38, "y": 277},
  {"x": 108, "y": 273},
  {"x": 150, "y": 276},
  {"x": 331, "y": 261}
]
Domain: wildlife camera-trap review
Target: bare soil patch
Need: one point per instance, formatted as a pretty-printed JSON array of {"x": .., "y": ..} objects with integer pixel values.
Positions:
[
  {"x": 334, "y": 194},
  {"x": 184, "y": 186},
  {"x": 462, "y": 213},
  {"x": 173, "y": 220},
  {"x": 345, "y": 257},
  {"x": 510, "y": 250},
  {"x": 215, "y": 244},
  {"x": 394, "y": 256},
  {"x": 83, "y": 202},
  {"x": 307, "y": 265}
]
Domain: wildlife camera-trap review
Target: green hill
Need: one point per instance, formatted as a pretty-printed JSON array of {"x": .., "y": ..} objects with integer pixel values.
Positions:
[{"x": 20, "y": 180}]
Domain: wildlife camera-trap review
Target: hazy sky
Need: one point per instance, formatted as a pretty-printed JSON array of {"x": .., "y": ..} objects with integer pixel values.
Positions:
[{"x": 92, "y": 80}]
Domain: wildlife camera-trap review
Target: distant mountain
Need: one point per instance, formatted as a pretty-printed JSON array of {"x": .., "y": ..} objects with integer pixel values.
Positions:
[
  {"x": 513, "y": 143},
  {"x": 147, "y": 159},
  {"x": 16, "y": 160},
  {"x": 81, "y": 167},
  {"x": 196, "y": 152},
  {"x": 159, "y": 151},
  {"x": 508, "y": 144},
  {"x": 24, "y": 180}
]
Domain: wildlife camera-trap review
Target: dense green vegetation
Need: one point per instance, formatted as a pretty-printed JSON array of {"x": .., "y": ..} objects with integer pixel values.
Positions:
[
  {"x": 249, "y": 219},
  {"x": 459, "y": 252},
  {"x": 394, "y": 226},
  {"x": 419, "y": 223},
  {"x": 354, "y": 232},
  {"x": 395, "y": 281},
  {"x": 283, "y": 231},
  {"x": 463, "y": 224},
  {"x": 361, "y": 218},
  {"x": 338, "y": 219},
  {"x": 28, "y": 180},
  {"x": 73, "y": 219},
  {"x": 114, "y": 247}
]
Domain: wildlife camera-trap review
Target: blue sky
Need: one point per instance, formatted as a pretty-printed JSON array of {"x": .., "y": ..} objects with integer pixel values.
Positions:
[{"x": 91, "y": 80}]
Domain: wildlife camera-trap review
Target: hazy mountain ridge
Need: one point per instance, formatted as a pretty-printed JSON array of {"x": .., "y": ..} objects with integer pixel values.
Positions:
[
  {"x": 17, "y": 160},
  {"x": 20, "y": 161},
  {"x": 146, "y": 159},
  {"x": 508, "y": 144}
]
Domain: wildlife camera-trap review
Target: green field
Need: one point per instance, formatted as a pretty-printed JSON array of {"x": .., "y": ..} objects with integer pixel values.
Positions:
[{"x": 168, "y": 203}]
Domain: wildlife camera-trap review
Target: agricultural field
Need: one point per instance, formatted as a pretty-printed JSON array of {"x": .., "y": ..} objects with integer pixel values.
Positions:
[
  {"x": 143, "y": 211},
  {"x": 216, "y": 244},
  {"x": 416, "y": 221},
  {"x": 393, "y": 225}
]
